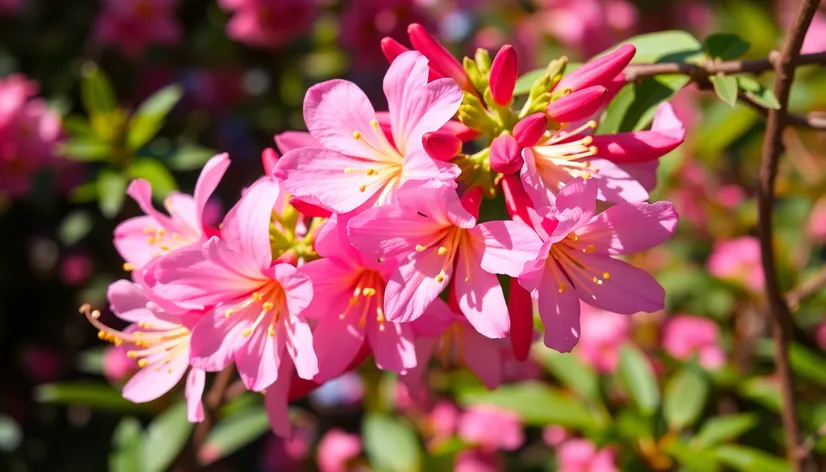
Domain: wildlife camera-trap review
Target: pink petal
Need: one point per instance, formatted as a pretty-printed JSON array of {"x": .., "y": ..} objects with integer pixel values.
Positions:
[
  {"x": 627, "y": 291},
  {"x": 482, "y": 356},
  {"x": 616, "y": 184},
  {"x": 415, "y": 105},
  {"x": 186, "y": 217},
  {"x": 194, "y": 391},
  {"x": 214, "y": 340},
  {"x": 440, "y": 58},
  {"x": 289, "y": 140},
  {"x": 418, "y": 166},
  {"x": 441, "y": 145},
  {"x": 297, "y": 286},
  {"x": 627, "y": 228},
  {"x": 392, "y": 48},
  {"x": 438, "y": 201},
  {"x": 503, "y": 74},
  {"x": 300, "y": 347},
  {"x": 141, "y": 191},
  {"x": 391, "y": 230},
  {"x": 437, "y": 318},
  {"x": 336, "y": 342},
  {"x": 392, "y": 345},
  {"x": 277, "y": 403},
  {"x": 412, "y": 378},
  {"x": 480, "y": 297},
  {"x": 667, "y": 123},
  {"x": 211, "y": 175},
  {"x": 505, "y": 246},
  {"x": 128, "y": 301},
  {"x": 520, "y": 309},
  {"x": 149, "y": 384},
  {"x": 533, "y": 271},
  {"x": 130, "y": 240},
  {"x": 644, "y": 173},
  {"x": 559, "y": 312},
  {"x": 258, "y": 357},
  {"x": 413, "y": 286},
  {"x": 246, "y": 228},
  {"x": 333, "y": 110},
  {"x": 578, "y": 105},
  {"x": 638, "y": 146},
  {"x": 332, "y": 280}
]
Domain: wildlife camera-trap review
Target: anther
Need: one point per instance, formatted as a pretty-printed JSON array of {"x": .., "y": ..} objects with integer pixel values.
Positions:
[
  {"x": 267, "y": 305},
  {"x": 441, "y": 277},
  {"x": 442, "y": 250},
  {"x": 420, "y": 248},
  {"x": 128, "y": 266},
  {"x": 606, "y": 275},
  {"x": 370, "y": 172},
  {"x": 271, "y": 332},
  {"x": 368, "y": 292},
  {"x": 143, "y": 363},
  {"x": 357, "y": 134},
  {"x": 362, "y": 188},
  {"x": 590, "y": 248},
  {"x": 562, "y": 288},
  {"x": 246, "y": 332},
  {"x": 347, "y": 170}
]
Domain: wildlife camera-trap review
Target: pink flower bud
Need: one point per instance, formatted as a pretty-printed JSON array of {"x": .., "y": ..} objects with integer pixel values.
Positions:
[
  {"x": 441, "y": 145},
  {"x": 392, "y": 48},
  {"x": 472, "y": 200},
  {"x": 504, "y": 155},
  {"x": 269, "y": 158},
  {"x": 440, "y": 58},
  {"x": 460, "y": 130},
  {"x": 309, "y": 209},
  {"x": 599, "y": 71},
  {"x": 578, "y": 105},
  {"x": 530, "y": 129},
  {"x": 520, "y": 309},
  {"x": 503, "y": 73}
]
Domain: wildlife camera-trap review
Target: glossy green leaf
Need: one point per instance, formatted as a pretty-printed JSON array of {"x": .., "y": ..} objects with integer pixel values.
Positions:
[
  {"x": 149, "y": 117},
  {"x": 637, "y": 375},
  {"x": 190, "y": 157},
  {"x": 127, "y": 445},
  {"x": 390, "y": 444},
  {"x": 725, "y": 86},
  {"x": 750, "y": 460},
  {"x": 111, "y": 187},
  {"x": 720, "y": 429},
  {"x": 538, "y": 405},
  {"x": 726, "y": 46},
  {"x": 97, "y": 395},
  {"x": 685, "y": 397},
  {"x": 155, "y": 173},
  {"x": 86, "y": 150},
  {"x": 96, "y": 91},
  {"x": 763, "y": 391},
  {"x": 233, "y": 433},
  {"x": 633, "y": 108},
  {"x": 572, "y": 372},
  {"x": 74, "y": 227},
  {"x": 165, "y": 436}
]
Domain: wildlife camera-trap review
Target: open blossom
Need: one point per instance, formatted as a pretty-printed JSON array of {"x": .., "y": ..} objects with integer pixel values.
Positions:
[
  {"x": 738, "y": 260},
  {"x": 603, "y": 334},
  {"x": 359, "y": 164},
  {"x": 491, "y": 428},
  {"x": 132, "y": 25},
  {"x": 581, "y": 455},
  {"x": 351, "y": 310},
  {"x": 336, "y": 449},
  {"x": 143, "y": 238},
  {"x": 255, "y": 305},
  {"x": 268, "y": 23},
  {"x": 687, "y": 336},
  {"x": 575, "y": 260},
  {"x": 160, "y": 341},
  {"x": 440, "y": 241}
]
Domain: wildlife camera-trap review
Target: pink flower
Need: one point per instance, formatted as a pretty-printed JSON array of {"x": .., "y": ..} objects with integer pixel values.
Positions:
[
  {"x": 491, "y": 428},
  {"x": 29, "y": 134},
  {"x": 817, "y": 221},
  {"x": 623, "y": 166},
  {"x": 603, "y": 333},
  {"x": 359, "y": 165},
  {"x": 268, "y": 23},
  {"x": 143, "y": 238},
  {"x": 477, "y": 460},
  {"x": 581, "y": 455},
  {"x": 820, "y": 336},
  {"x": 687, "y": 336},
  {"x": 575, "y": 260},
  {"x": 351, "y": 312},
  {"x": 588, "y": 25},
  {"x": 117, "y": 366},
  {"x": 132, "y": 25},
  {"x": 554, "y": 435},
  {"x": 441, "y": 422},
  {"x": 336, "y": 449},
  {"x": 738, "y": 260},
  {"x": 436, "y": 236},
  {"x": 254, "y": 305},
  {"x": 161, "y": 341}
]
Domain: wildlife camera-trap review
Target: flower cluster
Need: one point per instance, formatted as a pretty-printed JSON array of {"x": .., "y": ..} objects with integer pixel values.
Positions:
[{"x": 367, "y": 237}]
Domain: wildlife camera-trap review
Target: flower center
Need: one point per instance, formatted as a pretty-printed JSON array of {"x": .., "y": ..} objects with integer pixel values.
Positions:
[
  {"x": 368, "y": 298},
  {"x": 567, "y": 151},
  {"x": 565, "y": 265},
  {"x": 387, "y": 163},
  {"x": 263, "y": 307},
  {"x": 449, "y": 241}
]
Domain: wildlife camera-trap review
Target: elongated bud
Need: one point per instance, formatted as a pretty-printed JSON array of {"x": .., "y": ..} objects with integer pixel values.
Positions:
[
  {"x": 472, "y": 200},
  {"x": 503, "y": 73},
  {"x": 440, "y": 58},
  {"x": 308, "y": 209},
  {"x": 577, "y": 106},
  {"x": 529, "y": 130},
  {"x": 599, "y": 71},
  {"x": 520, "y": 309},
  {"x": 441, "y": 145},
  {"x": 505, "y": 155},
  {"x": 392, "y": 48},
  {"x": 269, "y": 158}
]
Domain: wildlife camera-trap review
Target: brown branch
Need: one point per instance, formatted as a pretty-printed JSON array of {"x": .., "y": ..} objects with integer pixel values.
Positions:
[
  {"x": 781, "y": 318},
  {"x": 700, "y": 72},
  {"x": 813, "y": 121}
]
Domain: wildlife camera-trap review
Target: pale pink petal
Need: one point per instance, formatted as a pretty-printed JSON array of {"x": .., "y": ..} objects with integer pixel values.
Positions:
[
  {"x": 141, "y": 191},
  {"x": 627, "y": 228},
  {"x": 130, "y": 240},
  {"x": 186, "y": 217},
  {"x": 334, "y": 110},
  {"x": 627, "y": 290},
  {"x": 246, "y": 228},
  {"x": 559, "y": 312},
  {"x": 418, "y": 166},
  {"x": 413, "y": 286},
  {"x": 666, "y": 122},
  {"x": 615, "y": 184},
  {"x": 211, "y": 175},
  {"x": 194, "y": 391},
  {"x": 417, "y": 106},
  {"x": 480, "y": 297},
  {"x": 336, "y": 342},
  {"x": 645, "y": 173},
  {"x": 578, "y": 194},
  {"x": 437, "y": 318},
  {"x": 424, "y": 347},
  {"x": 533, "y": 271},
  {"x": 328, "y": 280},
  {"x": 300, "y": 347},
  {"x": 392, "y": 345},
  {"x": 289, "y": 140},
  {"x": 128, "y": 301},
  {"x": 214, "y": 340},
  {"x": 259, "y": 356},
  {"x": 437, "y": 200},
  {"x": 276, "y": 401},
  {"x": 149, "y": 384},
  {"x": 481, "y": 356},
  {"x": 392, "y": 230},
  {"x": 297, "y": 286},
  {"x": 505, "y": 246}
]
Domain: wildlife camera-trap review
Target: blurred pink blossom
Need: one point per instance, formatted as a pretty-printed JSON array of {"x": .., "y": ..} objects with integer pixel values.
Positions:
[
  {"x": 581, "y": 455},
  {"x": 491, "y": 427},
  {"x": 441, "y": 421},
  {"x": 42, "y": 364},
  {"x": 287, "y": 453},
  {"x": 815, "y": 40},
  {"x": 687, "y": 336},
  {"x": 603, "y": 332},
  {"x": 75, "y": 269},
  {"x": 820, "y": 336},
  {"x": 730, "y": 196},
  {"x": 817, "y": 221},
  {"x": 365, "y": 22},
  {"x": 554, "y": 435},
  {"x": 738, "y": 260},
  {"x": 336, "y": 449},
  {"x": 29, "y": 132},
  {"x": 477, "y": 460},
  {"x": 590, "y": 26},
  {"x": 117, "y": 366},
  {"x": 11, "y": 6},
  {"x": 132, "y": 25},
  {"x": 268, "y": 23}
]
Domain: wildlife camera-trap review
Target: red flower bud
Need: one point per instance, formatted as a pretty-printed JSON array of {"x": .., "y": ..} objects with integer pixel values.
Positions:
[
  {"x": 269, "y": 158},
  {"x": 503, "y": 73},
  {"x": 599, "y": 71},
  {"x": 520, "y": 309},
  {"x": 440, "y": 58},
  {"x": 530, "y": 129},
  {"x": 441, "y": 145},
  {"x": 578, "y": 105},
  {"x": 392, "y": 48},
  {"x": 505, "y": 155}
]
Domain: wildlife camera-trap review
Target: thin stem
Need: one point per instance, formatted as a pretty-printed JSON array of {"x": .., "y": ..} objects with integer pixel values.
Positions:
[
  {"x": 702, "y": 71},
  {"x": 812, "y": 121},
  {"x": 781, "y": 318},
  {"x": 807, "y": 289}
]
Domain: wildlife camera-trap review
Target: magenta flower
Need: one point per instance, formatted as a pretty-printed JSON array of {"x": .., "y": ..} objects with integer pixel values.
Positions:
[
  {"x": 581, "y": 455},
  {"x": 575, "y": 260},
  {"x": 254, "y": 305},
  {"x": 688, "y": 336},
  {"x": 359, "y": 164},
  {"x": 436, "y": 236},
  {"x": 352, "y": 308},
  {"x": 603, "y": 334},
  {"x": 143, "y": 238},
  {"x": 133, "y": 25},
  {"x": 268, "y": 23},
  {"x": 159, "y": 340},
  {"x": 336, "y": 449},
  {"x": 491, "y": 428},
  {"x": 738, "y": 260}
]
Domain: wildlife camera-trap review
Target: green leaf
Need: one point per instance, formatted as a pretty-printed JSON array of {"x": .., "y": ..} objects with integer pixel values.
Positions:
[
  {"x": 572, "y": 372},
  {"x": 808, "y": 364},
  {"x": 233, "y": 433},
  {"x": 111, "y": 187},
  {"x": 632, "y": 425},
  {"x": 720, "y": 429},
  {"x": 725, "y": 46},
  {"x": 633, "y": 108},
  {"x": 77, "y": 126},
  {"x": 96, "y": 91},
  {"x": 156, "y": 173},
  {"x": 127, "y": 445},
  {"x": 666, "y": 46},
  {"x": 74, "y": 227},
  {"x": 685, "y": 397},
  {"x": 149, "y": 117},
  {"x": 637, "y": 375},
  {"x": 97, "y": 395},
  {"x": 165, "y": 437},
  {"x": 691, "y": 459},
  {"x": 390, "y": 444},
  {"x": 725, "y": 86},
  {"x": 86, "y": 150},
  {"x": 750, "y": 460},
  {"x": 537, "y": 405},
  {"x": 190, "y": 157},
  {"x": 524, "y": 83},
  {"x": 763, "y": 391}
]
